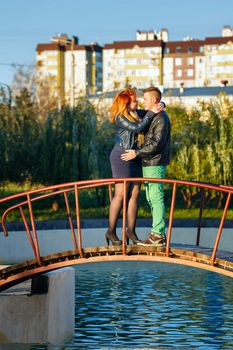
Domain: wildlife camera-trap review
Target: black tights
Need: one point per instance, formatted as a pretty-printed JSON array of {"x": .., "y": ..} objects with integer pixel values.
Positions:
[{"x": 132, "y": 192}]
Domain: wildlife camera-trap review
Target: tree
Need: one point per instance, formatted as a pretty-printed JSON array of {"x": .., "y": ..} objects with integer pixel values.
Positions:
[{"x": 68, "y": 144}]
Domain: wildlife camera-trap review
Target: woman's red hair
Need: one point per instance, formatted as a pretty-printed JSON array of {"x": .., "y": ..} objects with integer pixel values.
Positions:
[{"x": 121, "y": 102}]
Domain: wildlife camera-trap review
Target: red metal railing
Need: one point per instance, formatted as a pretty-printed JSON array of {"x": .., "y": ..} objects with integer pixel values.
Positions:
[{"x": 27, "y": 199}]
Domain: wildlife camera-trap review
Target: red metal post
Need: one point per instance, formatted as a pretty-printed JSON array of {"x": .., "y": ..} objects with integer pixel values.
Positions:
[
  {"x": 70, "y": 221},
  {"x": 124, "y": 219},
  {"x": 212, "y": 259},
  {"x": 34, "y": 230},
  {"x": 171, "y": 219},
  {"x": 28, "y": 230},
  {"x": 78, "y": 221},
  {"x": 110, "y": 192},
  {"x": 200, "y": 216}
]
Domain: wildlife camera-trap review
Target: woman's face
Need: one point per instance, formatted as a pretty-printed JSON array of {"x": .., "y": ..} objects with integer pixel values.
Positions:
[{"x": 134, "y": 103}]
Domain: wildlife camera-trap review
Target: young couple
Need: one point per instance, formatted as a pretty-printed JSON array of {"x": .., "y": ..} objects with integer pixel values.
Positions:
[{"x": 142, "y": 146}]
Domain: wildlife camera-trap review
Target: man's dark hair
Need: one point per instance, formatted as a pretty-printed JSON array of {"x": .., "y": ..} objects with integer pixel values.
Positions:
[{"x": 156, "y": 91}]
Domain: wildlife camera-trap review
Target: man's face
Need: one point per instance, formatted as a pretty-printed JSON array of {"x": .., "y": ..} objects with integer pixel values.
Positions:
[{"x": 149, "y": 100}]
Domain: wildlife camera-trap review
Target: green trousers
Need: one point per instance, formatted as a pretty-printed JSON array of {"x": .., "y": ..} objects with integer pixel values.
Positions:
[{"x": 155, "y": 197}]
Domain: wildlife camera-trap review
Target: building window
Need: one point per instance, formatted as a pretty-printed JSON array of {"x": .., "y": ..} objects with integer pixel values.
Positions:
[
  {"x": 201, "y": 49},
  {"x": 190, "y": 72},
  {"x": 51, "y": 63},
  {"x": 190, "y": 61},
  {"x": 178, "y": 61},
  {"x": 190, "y": 49},
  {"x": 178, "y": 49},
  {"x": 166, "y": 50},
  {"x": 178, "y": 73}
]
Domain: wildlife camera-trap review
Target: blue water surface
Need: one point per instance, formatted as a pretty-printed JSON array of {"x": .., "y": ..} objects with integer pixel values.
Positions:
[{"x": 149, "y": 305}]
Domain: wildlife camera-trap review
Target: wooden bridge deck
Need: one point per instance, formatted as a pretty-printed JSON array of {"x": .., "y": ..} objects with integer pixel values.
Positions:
[{"x": 190, "y": 255}]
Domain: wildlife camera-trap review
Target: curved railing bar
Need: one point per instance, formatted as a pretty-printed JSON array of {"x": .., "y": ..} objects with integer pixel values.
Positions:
[
  {"x": 82, "y": 184},
  {"x": 210, "y": 186},
  {"x": 102, "y": 182},
  {"x": 51, "y": 194}
]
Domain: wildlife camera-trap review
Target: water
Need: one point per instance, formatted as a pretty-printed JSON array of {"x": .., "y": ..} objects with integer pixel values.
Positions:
[{"x": 149, "y": 305}]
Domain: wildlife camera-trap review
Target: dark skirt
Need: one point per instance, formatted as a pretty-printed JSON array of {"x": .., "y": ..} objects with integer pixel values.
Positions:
[{"x": 121, "y": 168}]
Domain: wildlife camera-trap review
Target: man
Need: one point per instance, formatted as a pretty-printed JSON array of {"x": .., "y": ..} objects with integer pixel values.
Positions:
[{"x": 155, "y": 154}]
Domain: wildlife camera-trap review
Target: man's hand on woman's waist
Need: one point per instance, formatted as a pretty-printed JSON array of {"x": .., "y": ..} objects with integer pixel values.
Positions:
[{"x": 130, "y": 154}]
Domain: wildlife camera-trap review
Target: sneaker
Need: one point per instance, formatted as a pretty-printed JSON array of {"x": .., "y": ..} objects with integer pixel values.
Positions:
[{"x": 154, "y": 240}]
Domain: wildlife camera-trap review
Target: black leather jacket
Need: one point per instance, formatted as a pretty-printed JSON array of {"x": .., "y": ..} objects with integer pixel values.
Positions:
[
  {"x": 156, "y": 147},
  {"x": 126, "y": 130}
]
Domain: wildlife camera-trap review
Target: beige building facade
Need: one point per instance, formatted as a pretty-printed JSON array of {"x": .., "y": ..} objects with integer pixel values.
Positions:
[
  {"x": 219, "y": 61},
  {"x": 183, "y": 64},
  {"x": 135, "y": 63},
  {"x": 70, "y": 69}
]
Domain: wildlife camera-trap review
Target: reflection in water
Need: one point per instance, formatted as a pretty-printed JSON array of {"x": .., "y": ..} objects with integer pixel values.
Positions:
[{"x": 148, "y": 305}]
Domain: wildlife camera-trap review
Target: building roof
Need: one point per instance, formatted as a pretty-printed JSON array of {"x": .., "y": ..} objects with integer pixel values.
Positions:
[
  {"x": 184, "y": 46},
  {"x": 62, "y": 47},
  {"x": 49, "y": 47},
  {"x": 132, "y": 44},
  {"x": 218, "y": 40}
]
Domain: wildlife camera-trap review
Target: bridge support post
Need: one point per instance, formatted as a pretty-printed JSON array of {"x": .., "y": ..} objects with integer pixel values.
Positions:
[{"x": 29, "y": 314}]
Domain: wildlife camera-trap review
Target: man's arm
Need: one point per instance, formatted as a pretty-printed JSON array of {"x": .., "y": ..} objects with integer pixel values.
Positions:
[{"x": 153, "y": 145}]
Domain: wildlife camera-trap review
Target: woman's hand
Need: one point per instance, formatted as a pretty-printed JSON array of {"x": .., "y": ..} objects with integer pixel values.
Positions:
[{"x": 158, "y": 107}]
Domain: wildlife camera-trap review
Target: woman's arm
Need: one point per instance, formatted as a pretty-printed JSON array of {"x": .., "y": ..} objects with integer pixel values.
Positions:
[
  {"x": 159, "y": 107},
  {"x": 126, "y": 124}
]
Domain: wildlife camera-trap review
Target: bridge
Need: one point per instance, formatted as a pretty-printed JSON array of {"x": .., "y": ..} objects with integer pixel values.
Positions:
[{"x": 211, "y": 259}]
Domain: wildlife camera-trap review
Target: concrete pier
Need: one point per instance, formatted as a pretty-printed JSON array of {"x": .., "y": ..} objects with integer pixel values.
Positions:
[{"x": 40, "y": 310}]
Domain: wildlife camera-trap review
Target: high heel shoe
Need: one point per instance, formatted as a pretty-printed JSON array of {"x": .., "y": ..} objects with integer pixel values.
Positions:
[
  {"x": 133, "y": 236},
  {"x": 111, "y": 236}
]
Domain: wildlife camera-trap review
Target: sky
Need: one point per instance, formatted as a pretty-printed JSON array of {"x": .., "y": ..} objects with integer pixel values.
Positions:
[{"x": 26, "y": 23}]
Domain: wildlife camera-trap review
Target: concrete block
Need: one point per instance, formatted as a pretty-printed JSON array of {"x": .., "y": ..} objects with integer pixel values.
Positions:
[{"x": 39, "y": 318}]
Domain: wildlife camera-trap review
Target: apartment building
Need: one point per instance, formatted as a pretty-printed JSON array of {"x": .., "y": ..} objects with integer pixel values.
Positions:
[
  {"x": 183, "y": 64},
  {"x": 135, "y": 63},
  {"x": 149, "y": 61},
  {"x": 50, "y": 62},
  {"x": 153, "y": 60},
  {"x": 219, "y": 61},
  {"x": 70, "y": 69}
]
